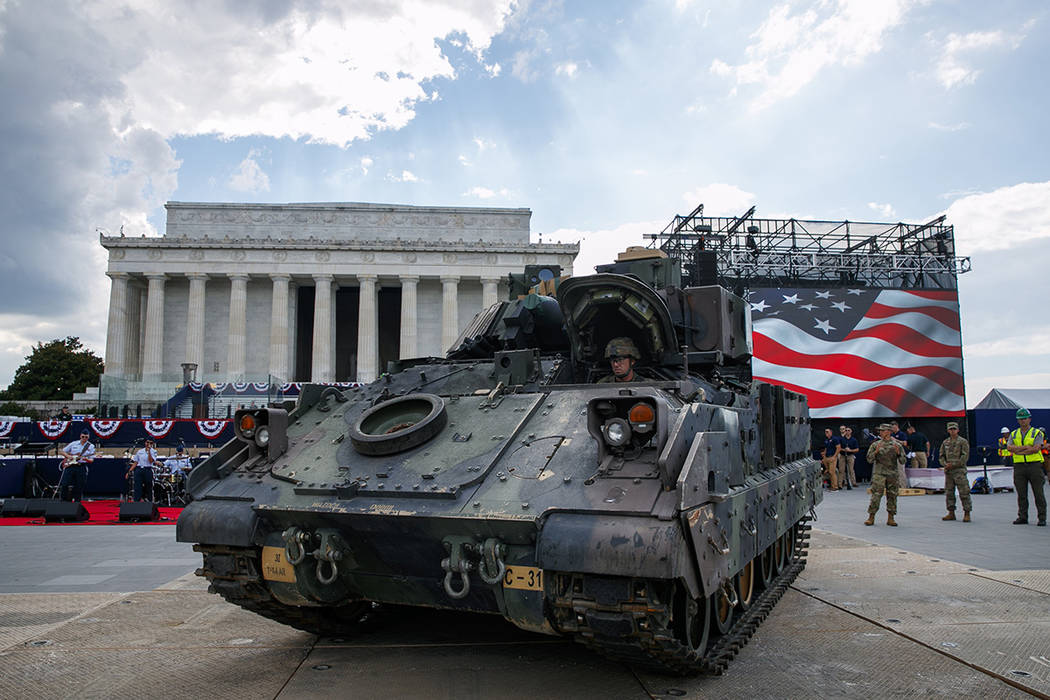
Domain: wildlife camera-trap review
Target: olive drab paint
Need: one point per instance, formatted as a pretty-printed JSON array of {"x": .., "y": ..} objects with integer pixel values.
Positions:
[{"x": 652, "y": 521}]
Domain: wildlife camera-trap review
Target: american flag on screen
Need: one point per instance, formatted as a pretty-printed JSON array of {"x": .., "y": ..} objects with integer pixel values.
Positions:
[{"x": 862, "y": 352}]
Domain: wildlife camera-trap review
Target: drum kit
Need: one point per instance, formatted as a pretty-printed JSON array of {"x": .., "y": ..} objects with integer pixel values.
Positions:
[{"x": 169, "y": 483}]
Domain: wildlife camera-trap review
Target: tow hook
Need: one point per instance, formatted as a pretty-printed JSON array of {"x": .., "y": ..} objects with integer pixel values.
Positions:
[
  {"x": 294, "y": 539},
  {"x": 331, "y": 549},
  {"x": 464, "y": 556}
]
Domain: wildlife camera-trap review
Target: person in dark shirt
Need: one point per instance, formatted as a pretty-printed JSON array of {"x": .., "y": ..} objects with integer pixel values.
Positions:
[
  {"x": 848, "y": 456},
  {"x": 902, "y": 439},
  {"x": 918, "y": 448},
  {"x": 832, "y": 449}
]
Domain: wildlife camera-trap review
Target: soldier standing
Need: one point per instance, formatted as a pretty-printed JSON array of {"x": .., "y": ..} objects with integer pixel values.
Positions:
[
  {"x": 955, "y": 452},
  {"x": 883, "y": 455}
]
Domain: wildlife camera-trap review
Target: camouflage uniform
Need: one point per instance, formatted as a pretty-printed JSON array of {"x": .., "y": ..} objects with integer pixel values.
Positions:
[
  {"x": 955, "y": 452},
  {"x": 883, "y": 455}
]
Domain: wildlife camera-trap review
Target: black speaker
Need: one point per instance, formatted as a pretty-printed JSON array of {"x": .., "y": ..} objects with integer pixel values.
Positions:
[
  {"x": 705, "y": 268},
  {"x": 138, "y": 512},
  {"x": 23, "y": 507},
  {"x": 13, "y": 508},
  {"x": 65, "y": 512}
]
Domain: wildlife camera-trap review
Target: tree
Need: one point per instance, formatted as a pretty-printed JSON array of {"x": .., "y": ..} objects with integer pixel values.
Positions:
[{"x": 55, "y": 371}]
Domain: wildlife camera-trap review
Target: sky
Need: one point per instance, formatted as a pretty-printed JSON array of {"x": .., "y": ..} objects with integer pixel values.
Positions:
[{"x": 604, "y": 118}]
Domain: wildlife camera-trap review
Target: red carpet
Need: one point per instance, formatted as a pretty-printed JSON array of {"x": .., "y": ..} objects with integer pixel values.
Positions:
[{"x": 102, "y": 513}]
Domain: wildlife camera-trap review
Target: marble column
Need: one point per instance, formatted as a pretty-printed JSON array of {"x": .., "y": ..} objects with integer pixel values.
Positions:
[
  {"x": 153, "y": 346},
  {"x": 293, "y": 330},
  {"x": 367, "y": 330},
  {"x": 117, "y": 327},
  {"x": 409, "y": 346},
  {"x": 449, "y": 311},
  {"x": 489, "y": 291},
  {"x": 321, "y": 365},
  {"x": 235, "y": 337},
  {"x": 195, "y": 322},
  {"x": 279, "y": 327},
  {"x": 133, "y": 333}
]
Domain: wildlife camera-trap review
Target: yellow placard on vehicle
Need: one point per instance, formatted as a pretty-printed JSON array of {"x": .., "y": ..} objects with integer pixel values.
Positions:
[
  {"x": 526, "y": 578},
  {"x": 275, "y": 566}
]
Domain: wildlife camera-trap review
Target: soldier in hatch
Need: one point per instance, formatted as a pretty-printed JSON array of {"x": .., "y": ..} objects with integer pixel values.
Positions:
[
  {"x": 621, "y": 353},
  {"x": 883, "y": 455}
]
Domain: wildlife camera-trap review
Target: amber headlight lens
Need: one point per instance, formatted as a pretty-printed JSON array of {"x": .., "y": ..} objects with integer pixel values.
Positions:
[
  {"x": 247, "y": 425},
  {"x": 642, "y": 417}
]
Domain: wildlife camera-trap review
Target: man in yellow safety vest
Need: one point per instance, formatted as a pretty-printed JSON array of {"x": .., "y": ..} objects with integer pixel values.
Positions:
[
  {"x": 1026, "y": 445},
  {"x": 1004, "y": 454}
]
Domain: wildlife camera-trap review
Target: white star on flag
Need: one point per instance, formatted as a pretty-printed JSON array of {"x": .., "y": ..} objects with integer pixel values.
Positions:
[
  {"x": 858, "y": 292},
  {"x": 760, "y": 305},
  {"x": 807, "y": 307},
  {"x": 841, "y": 306},
  {"x": 823, "y": 295},
  {"x": 793, "y": 299},
  {"x": 824, "y": 326}
]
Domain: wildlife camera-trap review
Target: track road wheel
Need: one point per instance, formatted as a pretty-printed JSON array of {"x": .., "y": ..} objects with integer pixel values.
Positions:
[
  {"x": 766, "y": 567},
  {"x": 745, "y": 585},
  {"x": 723, "y": 610},
  {"x": 779, "y": 555},
  {"x": 692, "y": 620},
  {"x": 789, "y": 544}
]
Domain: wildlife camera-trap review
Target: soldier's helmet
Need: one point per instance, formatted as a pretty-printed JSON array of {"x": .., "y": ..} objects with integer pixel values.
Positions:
[
  {"x": 1023, "y": 413},
  {"x": 622, "y": 347}
]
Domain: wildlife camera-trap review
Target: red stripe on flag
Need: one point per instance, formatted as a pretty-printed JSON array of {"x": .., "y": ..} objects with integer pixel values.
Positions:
[
  {"x": 934, "y": 294},
  {"x": 851, "y": 365},
  {"x": 946, "y": 316},
  {"x": 897, "y": 400},
  {"x": 907, "y": 339}
]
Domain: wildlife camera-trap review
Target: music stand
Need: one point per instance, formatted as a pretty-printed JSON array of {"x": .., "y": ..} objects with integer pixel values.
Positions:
[{"x": 34, "y": 485}]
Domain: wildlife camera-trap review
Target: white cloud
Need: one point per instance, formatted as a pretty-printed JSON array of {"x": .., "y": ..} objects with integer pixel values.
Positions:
[
  {"x": 366, "y": 163},
  {"x": 405, "y": 176},
  {"x": 884, "y": 210},
  {"x": 567, "y": 69},
  {"x": 523, "y": 67},
  {"x": 719, "y": 199},
  {"x": 601, "y": 247},
  {"x": 949, "y": 127},
  {"x": 249, "y": 176},
  {"x": 205, "y": 77},
  {"x": 464, "y": 161},
  {"x": 952, "y": 70},
  {"x": 485, "y": 192},
  {"x": 789, "y": 49},
  {"x": 1008, "y": 217}
]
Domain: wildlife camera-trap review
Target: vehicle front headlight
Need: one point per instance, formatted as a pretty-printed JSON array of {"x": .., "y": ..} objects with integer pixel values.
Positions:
[{"x": 616, "y": 431}]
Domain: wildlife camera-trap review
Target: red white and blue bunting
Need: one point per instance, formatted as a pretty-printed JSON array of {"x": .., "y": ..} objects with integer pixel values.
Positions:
[
  {"x": 211, "y": 428},
  {"x": 104, "y": 428},
  {"x": 158, "y": 428},
  {"x": 52, "y": 429},
  {"x": 6, "y": 426}
]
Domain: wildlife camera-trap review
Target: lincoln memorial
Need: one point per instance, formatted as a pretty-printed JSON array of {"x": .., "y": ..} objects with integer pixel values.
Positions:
[{"x": 305, "y": 292}]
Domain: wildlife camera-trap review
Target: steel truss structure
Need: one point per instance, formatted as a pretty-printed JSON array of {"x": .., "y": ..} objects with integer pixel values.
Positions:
[{"x": 745, "y": 252}]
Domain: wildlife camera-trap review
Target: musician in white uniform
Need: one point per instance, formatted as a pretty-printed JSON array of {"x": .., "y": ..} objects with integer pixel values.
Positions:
[
  {"x": 179, "y": 465},
  {"x": 142, "y": 465},
  {"x": 76, "y": 456}
]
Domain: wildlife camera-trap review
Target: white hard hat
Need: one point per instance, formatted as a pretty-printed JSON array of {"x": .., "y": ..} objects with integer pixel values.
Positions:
[{"x": 1005, "y": 430}]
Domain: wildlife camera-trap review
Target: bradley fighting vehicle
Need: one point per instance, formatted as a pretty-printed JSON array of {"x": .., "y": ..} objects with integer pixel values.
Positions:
[{"x": 656, "y": 521}]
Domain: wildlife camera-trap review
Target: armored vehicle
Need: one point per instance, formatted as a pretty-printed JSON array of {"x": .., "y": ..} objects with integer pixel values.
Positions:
[{"x": 655, "y": 521}]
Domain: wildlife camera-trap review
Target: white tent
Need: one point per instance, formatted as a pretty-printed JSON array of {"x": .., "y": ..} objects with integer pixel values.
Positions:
[{"x": 1015, "y": 398}]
